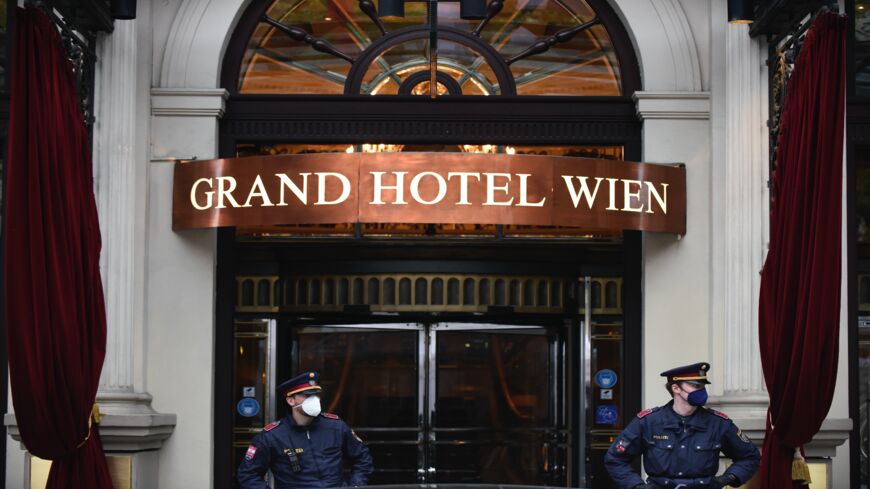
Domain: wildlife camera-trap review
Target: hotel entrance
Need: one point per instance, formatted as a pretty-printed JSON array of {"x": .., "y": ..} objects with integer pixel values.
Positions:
[
  {"x": 463, "y": 349},
  {"x": 452, "y": 373}
]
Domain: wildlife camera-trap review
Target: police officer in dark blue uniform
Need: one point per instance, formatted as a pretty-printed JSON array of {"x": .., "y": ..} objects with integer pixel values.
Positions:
[
  {"x": 307, "y": 448},
  {"x": 681, "y": 441}
]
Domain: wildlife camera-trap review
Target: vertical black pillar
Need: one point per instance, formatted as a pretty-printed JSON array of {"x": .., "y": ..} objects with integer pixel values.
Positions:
[
  {"x": 632, "y": 297},
  {"x": 225, "y": 303},
  {"x": 223, "y": 371}
]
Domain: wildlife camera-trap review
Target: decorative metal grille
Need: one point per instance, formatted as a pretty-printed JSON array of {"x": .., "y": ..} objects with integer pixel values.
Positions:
[
  {"x": 424, "y": 292},
  {"x": 79, "y": 42}
]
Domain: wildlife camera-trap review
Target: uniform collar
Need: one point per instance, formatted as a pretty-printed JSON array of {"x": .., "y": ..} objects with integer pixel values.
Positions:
[
  {"x": 292, "y": 422},
  {"x": 695, "y": 420}
]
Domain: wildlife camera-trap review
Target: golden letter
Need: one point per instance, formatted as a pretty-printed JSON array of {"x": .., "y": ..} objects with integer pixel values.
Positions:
[
  {"x": 627, "y": 195},
  {"x": 652, "y": 193},
  {"x": 208, "y": 195},
  {"x": 258, "y": 190}
]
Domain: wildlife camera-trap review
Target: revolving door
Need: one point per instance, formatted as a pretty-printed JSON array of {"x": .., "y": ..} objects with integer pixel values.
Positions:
[{"x": 446, "y": 402}]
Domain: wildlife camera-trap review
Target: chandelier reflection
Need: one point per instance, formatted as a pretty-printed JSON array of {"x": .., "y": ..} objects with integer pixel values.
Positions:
[
  {"x": 377, "y": 148},
  {"x": 465, "y": 148},
  {"x": 487, "y": 149}
]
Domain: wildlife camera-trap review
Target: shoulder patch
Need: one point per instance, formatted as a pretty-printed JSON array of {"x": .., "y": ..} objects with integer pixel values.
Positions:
[
  {"x": 330, "y": 415},
  {"x": 271, "y": 426},
  {"x": 646, "y": 412},
  {"x": 720, "y": 414}
]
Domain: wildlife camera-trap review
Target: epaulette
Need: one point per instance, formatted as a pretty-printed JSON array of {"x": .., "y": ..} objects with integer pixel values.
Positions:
[
  {"x": 330, "y": 415},
  {"x": 646, "y": 411},
  {"x": 720, "y": 414},
  {"x": 271, "y": 426}
]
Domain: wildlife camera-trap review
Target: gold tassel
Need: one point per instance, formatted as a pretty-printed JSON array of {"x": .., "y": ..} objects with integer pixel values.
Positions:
[
  {"x": 800, "y": 471},
  {"x": 96, "y": 414},
  {"x": 95, "y": 417}
]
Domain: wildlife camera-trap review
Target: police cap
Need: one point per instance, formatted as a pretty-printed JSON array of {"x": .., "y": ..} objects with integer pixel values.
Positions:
[
  {"x": 304, "y": 383},
  {"x": 696, "y": 372}
]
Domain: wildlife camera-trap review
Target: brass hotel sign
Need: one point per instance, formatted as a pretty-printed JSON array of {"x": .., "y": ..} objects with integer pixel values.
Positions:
[{"x": 449, "y": 188}]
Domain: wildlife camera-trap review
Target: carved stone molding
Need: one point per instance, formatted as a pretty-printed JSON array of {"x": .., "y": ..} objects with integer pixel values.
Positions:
[
  {"x": 197, "y": 39},
  {"x": 833, "y": 433},
  {"x": 205, "y": 102},
  {"x": 681, "y": 41},
  {"x": 128, "y": 423},
  {"x": 673, "y": 105}
]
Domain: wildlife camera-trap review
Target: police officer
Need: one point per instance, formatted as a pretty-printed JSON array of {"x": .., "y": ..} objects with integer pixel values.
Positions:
[
  {"x": 307, "y": 448},
  {"x": 681, "y": 441}
]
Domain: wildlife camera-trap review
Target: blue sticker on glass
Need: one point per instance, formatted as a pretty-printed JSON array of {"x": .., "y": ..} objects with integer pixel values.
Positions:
[
  {"x": 248, "y": 407},
  {"x": 605, "y": 378},
  {"x": 606, "y": 414}
]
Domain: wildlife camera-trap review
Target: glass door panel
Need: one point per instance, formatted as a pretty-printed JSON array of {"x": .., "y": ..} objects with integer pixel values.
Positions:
[
  {"x": 371, "y": 377},
  {"x": 493, "y": 398}
]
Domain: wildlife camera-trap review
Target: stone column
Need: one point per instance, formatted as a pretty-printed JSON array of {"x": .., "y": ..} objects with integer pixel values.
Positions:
[
  {"x": 120, "y": 140},
  {"x": 744, "y": 195},
  {"x": 114, "y": 170}
]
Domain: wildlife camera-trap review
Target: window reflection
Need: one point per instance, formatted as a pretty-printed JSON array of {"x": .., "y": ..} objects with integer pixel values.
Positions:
[
  {"x": 369, "y": 377},
  {"x": 492, "y": 380}
]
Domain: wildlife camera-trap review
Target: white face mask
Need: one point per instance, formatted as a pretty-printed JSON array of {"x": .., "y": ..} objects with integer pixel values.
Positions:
[{"x": 311, "y": 406}]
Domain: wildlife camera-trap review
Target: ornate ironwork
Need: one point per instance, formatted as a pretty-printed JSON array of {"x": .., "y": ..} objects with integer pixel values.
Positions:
[
  {"x": 78, "y": 44},
  {"x": 301, "y": 35},
  {"x": 492, "y": 10},
  {"x": 372, "y": 54},
  {"x": 783, "y": 52},
  {"x": 780, "y": 74},
  {"x": 368, "y": 7},
  {"x": 502, "y": 72},
  {"x": 544, "y": 44},
  {"x": 412, "y": 84}
]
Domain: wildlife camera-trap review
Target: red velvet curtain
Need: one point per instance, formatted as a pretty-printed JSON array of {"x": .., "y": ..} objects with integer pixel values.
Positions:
[
  {"x": 799, "y": 310},
  {"x": 56, "y": 322}
]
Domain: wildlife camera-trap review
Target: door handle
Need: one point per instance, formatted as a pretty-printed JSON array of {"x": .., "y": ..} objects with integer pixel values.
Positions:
[{"x": 545, "y": 455}]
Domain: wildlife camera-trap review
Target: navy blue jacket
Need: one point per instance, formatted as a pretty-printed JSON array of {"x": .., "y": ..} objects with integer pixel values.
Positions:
[
  {"x": 678, "y": 450},
  {"x": 322, "y": 447}
]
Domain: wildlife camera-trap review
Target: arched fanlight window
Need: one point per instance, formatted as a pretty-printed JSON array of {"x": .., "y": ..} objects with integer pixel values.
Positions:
[{"x": 530, "y": 47}]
